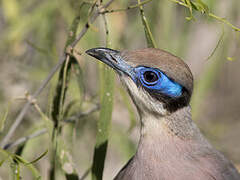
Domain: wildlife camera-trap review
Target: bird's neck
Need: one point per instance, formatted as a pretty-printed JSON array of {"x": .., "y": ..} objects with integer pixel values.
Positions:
[
  {"x": 177, "y": 124},
  {"x": 160, "y": 134}
]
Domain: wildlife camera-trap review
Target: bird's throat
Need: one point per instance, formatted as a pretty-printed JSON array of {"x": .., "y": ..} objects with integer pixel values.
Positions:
[
  {"x": 160, "y": 135},
  {"x": 177, "y": 124}
]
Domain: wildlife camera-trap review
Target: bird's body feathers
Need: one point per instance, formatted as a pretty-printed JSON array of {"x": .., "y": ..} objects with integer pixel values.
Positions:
[{"x": 166, "y": 154}]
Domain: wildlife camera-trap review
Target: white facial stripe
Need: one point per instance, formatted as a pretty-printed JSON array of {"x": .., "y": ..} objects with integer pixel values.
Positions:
[{"x": 142, "y": 99}]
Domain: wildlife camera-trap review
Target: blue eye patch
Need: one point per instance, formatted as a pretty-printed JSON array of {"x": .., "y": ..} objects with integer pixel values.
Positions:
[{"x": 154, "y": 79}]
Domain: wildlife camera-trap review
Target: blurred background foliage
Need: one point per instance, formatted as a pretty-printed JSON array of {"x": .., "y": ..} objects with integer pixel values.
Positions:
[{"x": 33, "y": 35}]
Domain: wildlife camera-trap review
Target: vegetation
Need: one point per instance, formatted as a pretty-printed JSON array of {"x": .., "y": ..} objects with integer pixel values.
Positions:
[{"x": 56, "y": 103}]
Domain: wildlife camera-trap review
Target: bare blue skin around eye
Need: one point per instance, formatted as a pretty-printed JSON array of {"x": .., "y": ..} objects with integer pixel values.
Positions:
[{"x": 163, "y": 84}]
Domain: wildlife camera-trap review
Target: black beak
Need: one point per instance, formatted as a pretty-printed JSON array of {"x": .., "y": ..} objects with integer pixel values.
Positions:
[
  {"x": 105, "y": 55},
  {"x": 113, "y": 59}
]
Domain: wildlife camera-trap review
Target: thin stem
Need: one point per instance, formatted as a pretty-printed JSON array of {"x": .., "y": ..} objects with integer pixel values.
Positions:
[
  {"x": 148, "y": 34},
  {"x": 128, "y": 8},
  {"x": 108, "y": 44},
  {"x": 24, "y": 139},
  {"x": 218, "y": 44},
  {"x": 224, "y": 21},
  {"x": 76, "y": 117}
]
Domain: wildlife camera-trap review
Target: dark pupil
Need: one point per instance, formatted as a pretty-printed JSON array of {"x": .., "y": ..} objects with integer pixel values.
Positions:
[{"x": 150, "y": 76}]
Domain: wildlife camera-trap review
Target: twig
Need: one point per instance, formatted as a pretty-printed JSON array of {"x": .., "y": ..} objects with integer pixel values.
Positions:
[
  {"x": 33, "y": 102},
  {"x": 127, "y": 8},
  {"x": 224, "y": 21},
  {"x": 24, "y": 139},
  {"x": 49, "y": 77},
  {"x": 28, "y": 104},
  {"x": 76, "y": 117},
  {"x": 91, "y": 20},
  {"x": 106, "y": 30}
]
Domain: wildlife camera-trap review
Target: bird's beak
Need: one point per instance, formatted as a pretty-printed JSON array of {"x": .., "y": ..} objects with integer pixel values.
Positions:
[{"x": 113, "y": 59}]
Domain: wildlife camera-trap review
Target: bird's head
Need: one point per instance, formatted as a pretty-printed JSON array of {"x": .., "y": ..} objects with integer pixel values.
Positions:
[{"x": 157, "y": 81}]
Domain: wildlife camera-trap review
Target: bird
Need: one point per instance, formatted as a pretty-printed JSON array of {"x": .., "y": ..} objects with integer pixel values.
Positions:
[{"x": 171, "y": 146}]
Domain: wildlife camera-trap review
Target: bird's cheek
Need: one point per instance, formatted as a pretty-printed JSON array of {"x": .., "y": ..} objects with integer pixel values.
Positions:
[
  {"x": 132, "y": 87},
  {"x": 129, "y": 83}
]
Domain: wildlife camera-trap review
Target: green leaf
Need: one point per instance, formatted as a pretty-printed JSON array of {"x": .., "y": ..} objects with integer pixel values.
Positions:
[
  {"x": 201, "y": 6},
  {"x": 79, "y": 78},
  {"x": 4, "y": 155},
  {"x": 104, "y": 122},
  {"x": 72, "y": 176},
  {"x": 25, "y": 163},
  {"x": 1, "y": 162},
  {"x": 40, "y": 157}
]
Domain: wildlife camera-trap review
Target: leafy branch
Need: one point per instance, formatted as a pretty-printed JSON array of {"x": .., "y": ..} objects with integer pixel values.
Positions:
[
  {"x": 45, "y": 82},
  {"x": 201, "y": 7},
  {"x": 17, "y": 160}
]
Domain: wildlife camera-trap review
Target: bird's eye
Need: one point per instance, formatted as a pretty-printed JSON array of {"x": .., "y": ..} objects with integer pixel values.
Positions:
[{"x": 150, "y": 76}]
